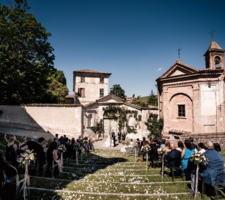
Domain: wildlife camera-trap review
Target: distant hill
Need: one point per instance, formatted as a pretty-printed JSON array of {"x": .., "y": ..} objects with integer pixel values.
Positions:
[{"x": 145, "y": 99}]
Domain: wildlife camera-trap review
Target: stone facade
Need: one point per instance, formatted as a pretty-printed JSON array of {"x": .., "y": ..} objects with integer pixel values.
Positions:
[
  {"x": 191, "y": 101},
  {"x": 89, "y": 85},
  {"x": 93, "y": 113}
]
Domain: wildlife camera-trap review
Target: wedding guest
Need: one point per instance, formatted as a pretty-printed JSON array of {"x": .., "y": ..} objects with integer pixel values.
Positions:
[
  {"x": 131, "y": 143},
  {"x": 154, "y": 153},
  {"x": 194, "y": 146},
  {"x": 52, "y": 154},
  {"x": 32, "y": 143},
  {"x": 22, "y": 146},
  {"x": 214, "y": 167},
  {"x": 68, "y": 152},
  {"x": 142, "y": 151},
  {"x": 39, "y": 150},
  {"x": 151, "y": 141},
  {"x": 185, "y": 155},
  {"x": 217, "y": 147},
  {"x": 163, "y": 143},
  {"x": 11, "y": 150},
  {"x": 167, "y": 146},
  {"x": 180, "y": 146},
  {"x": 123, "y": 136},
  {"x": 119, "y": 136},
  {"x": 138, "y": 143},
  {"x": 201, "y": 147},
  {"x": 143, "y": 140},
  {"x": 174, "y": 157}
]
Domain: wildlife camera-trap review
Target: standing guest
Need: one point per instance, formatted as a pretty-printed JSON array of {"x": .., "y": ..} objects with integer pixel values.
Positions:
[
  {"x": 167, "y": 146},
  {"x": 11, "y": 150},
  {"x": 194, "y": 146},
  {"x": 57, "y": 136},
  {"x": 180, "y": 146},
  {"x": 151, "y": 141},
  {"x": 32, "y": 143},
  {"x": 52, "y": 154},
  {"x": 214, "y": 167},
  {"x": 217, "y": 147},
  {"x": 68, "y": 152},
  {"x": 97, "y": 135},
  {"x": 61, "y": 141},
  {"x": 50, "y": 141},
  {"x": 143, "y": 140},
  {"x": 139, "y": 144},
  {"x": 119, "y": 136},
  {"x": 154, "y": 153},
  {"x": 201, "y": 147},
  {"x": 163, "y": 143},
  {"x": 185, "y": 155},
  {"x": 142, "y": 151},
  {"x": 22, "y": 146},
  {"x": 123, "y": 136},
  {"x": 64, "y": 136},
  {"x": 39, "y": 150},
  {"x": 131, "y": 143}
]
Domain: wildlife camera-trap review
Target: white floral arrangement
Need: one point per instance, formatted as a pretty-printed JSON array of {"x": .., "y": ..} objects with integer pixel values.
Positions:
[
  {"x": 162, "y": 151},
  {"x": 198, "y": 158},
  {"x": 26, "y": 157},
  {"x": 146, "y": 148},
  {"x": 76, "y": 146},
  {"x": 62, "y": 149}
]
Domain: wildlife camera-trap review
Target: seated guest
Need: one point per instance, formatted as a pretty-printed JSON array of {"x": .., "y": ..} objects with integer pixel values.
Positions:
[
  {"x": 185, "y": 155},
  {"x": 174, "y": 157},
  {"x": 217, "y": 147},
  {"x": 180, "y": 146},
  {"x": 163, "y": 143},
  {"x": 22, "y": 146},
  {"x": 31, "y": 144},
  {"x": 201, "y": 147},
  {"x": 167, "y": 146},
  {"x": 52, "y": 154},
  {"x": 214, "y": 167},
  {"x": 11, "y": 150},
  {"x": 194, "y": 146}
]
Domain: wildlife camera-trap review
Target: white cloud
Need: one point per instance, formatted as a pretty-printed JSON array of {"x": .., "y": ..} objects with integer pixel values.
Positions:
[{"x": 159, "y": 69}]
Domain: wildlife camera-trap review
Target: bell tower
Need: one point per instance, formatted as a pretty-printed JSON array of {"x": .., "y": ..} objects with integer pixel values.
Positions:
[{"x": 214, "y": 56}]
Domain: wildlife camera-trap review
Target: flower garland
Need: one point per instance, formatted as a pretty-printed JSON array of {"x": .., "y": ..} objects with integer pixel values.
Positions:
[
  {"x": 198, "y": 158},
  {"x": 26, "y": 157},
  {"x": 146, "y": 148},
  {"x": 162, "y": 151},
  {"x": 62, "y": 149}
]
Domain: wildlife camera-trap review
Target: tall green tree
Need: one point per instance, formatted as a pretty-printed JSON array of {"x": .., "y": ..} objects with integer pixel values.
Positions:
[
  {"x": 59, "y": 76},
  {"x": 26, "y": 56},
  {"x": 152, "y": 99},
  {"x": 154, "y": 126},
  {"x": 118, "y": 91}
]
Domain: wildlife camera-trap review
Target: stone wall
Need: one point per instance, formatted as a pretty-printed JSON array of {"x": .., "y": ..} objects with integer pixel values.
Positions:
[{"x": 62, "y": 119}]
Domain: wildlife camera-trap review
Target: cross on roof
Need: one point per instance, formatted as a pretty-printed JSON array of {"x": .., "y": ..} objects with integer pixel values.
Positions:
[
  {"x": 179, "y": 52},
  {"x": 211, "y": 33}
]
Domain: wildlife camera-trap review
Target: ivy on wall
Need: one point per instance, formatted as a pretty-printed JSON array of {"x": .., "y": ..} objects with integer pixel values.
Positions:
[
  {"x": 98, "y": 128},
  {"x": 120, "y": 114}
]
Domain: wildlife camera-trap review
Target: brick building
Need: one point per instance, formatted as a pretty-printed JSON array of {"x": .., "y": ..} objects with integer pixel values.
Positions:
[{"x": 191, "y": 101}]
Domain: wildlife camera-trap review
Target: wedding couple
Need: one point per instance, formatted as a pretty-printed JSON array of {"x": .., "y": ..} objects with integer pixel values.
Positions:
[{"x": 110, "y": 140}]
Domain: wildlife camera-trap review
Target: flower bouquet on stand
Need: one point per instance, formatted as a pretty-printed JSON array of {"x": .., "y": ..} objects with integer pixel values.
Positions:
[
  {"x": 25, "y": 159},
  {"x": 146, "y": 149},
  {"x": 198, "y": 158},
  {"x": 61, "y": 150},
  {"x": 76, "y": 147},
  {"x": 162, "y": 151}
]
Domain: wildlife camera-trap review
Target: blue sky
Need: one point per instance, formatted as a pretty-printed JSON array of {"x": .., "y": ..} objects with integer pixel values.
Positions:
[{"x": 135, "y": 40}]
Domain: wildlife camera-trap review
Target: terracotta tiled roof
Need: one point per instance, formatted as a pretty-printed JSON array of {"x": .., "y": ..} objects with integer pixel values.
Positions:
[
  {"x": 91, "y": 71},
  {"x": 70, "y": 96},
  {"x": 89, "y": 104}
]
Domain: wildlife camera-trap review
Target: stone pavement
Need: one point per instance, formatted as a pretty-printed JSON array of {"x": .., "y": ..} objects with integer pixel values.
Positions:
[{"x": 99, "y": 145}]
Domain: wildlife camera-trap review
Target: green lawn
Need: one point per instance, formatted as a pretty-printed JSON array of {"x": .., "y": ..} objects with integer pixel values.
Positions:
[{"x": 107, "y": 175}]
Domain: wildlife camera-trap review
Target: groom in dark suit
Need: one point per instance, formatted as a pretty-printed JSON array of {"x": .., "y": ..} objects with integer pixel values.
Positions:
[
  {"x": 114, "y": 138},
  {"x": 174, "y": 157}
]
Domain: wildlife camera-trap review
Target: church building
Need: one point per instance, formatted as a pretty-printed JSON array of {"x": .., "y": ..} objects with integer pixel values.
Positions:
[{"x": 191, "y": 101}]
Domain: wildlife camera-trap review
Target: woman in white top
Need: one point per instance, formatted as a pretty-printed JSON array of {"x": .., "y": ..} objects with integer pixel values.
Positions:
[
  {"x": 131, "y": 143},
  {"x": 201, "y": 147}
]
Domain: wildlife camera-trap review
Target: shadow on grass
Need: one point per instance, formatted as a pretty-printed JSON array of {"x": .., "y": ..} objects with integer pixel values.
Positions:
[{"x": 90, "y": 164}]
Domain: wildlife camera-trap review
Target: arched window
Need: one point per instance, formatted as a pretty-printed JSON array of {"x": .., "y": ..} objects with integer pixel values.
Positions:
[{"x": 217, "y": 61}]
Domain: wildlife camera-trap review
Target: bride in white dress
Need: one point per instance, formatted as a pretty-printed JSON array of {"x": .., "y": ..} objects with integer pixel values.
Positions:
[{"x": 107, "y": 142}]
